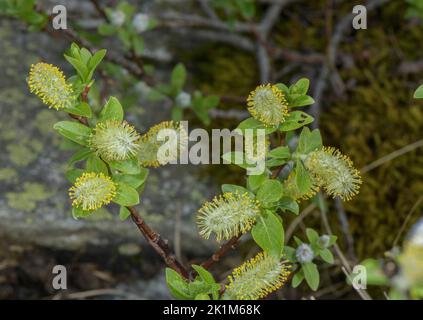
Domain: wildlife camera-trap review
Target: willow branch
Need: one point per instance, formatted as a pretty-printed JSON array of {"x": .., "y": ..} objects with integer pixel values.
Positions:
[
  {"x": 154, "y": 239},
  {"x": 159, "y": 244},
  {"x": 226, "y": 247}
]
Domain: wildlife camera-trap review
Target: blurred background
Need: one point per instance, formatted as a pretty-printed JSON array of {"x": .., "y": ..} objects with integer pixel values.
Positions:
[{"x": 362, "y": 80}]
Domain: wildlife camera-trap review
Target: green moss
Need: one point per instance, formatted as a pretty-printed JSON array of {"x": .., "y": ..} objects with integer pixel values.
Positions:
[
  {"x": 22, "y": 154},
  {"x": 223, "y": 71},
  {"x": 27, "y": 199},
  {"x": 8, "y": 174},
  {"x": 45, "y": 120},
  {"x": 378, "y": 117}
]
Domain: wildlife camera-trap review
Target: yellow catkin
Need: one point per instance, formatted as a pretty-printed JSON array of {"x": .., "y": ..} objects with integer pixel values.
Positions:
[
  {"x": 114, "y": 140},
  {"x": 268, "y": 104},
  {"x": 227, "y": 215},
  {"x": 257, "y": 278},
  {"x": 92, "y": 190},
  {"x": 334, "y": 172},
  {"x": 49, "y": 84},
  {"x": 150, "y": 145}
]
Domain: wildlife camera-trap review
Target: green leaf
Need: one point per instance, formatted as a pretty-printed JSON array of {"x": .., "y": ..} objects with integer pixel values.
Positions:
[
  {"x": 83, "y": 109},
  {"x": 106, "y": 29},
  {"x": 312, "y": 235},
  {"x": 268, "y": 233},
  {"x": 297, "y": 279},
  {"x": 300, "y": 101},
  {"x": 326, "y": 255},
  {"x": 130, "y": 166},
  {"x": 332, "y": 240},
  {"x": 79, "y": 66},
  {"x": 85, "y": 55},
  {"x": 280, "y": 153},
  {"x": 202, "y": 296},
  {"x": 124, "y": 36},
  {"x": 95, "y": 164},
  {"x": 311, "y": 275},
  {"x": 289, "y": 252},
  {"x": 419, "y": 93},
  {"x": 138, "y": 45},
  {"x": 133, "y": 180},
  {"x": 295, "y": 120},
  {"x": 289, "y": 204},
  {"x": 210, "y": 102},
  {"x": 124, "y": 213},
  {"x": 73, "y": 131},
  {"x": 178, "y": 78},
  {"x": 270, "y": 191},
  {"x": 235, "y": 189},
  {"x": 80, "y": 155},
  {"x": 74, "y": 174},
  {"x": 204, "y": 274},
  {"x": 126, "y": 195},
  {"x": 255, "y": 181},
  {"x": 309, "y": 141},
  {"x": 208, "y": 278},
  {"x": 178, "y": 287},
  {"x": 302, "y": 178},
  {"x": 112, "y": 110},
  {"x": 96, "y": 59},
  {"x": 247, "y": 8},
  {"x": 79, "y": 213},
  {"x": 251, "y": 123},
  {"x": 300, "y": 87},
  {"x": 275, "y": 162},
  {"x": 177, "y": 113},
  {"x": 283, "y": 88}
]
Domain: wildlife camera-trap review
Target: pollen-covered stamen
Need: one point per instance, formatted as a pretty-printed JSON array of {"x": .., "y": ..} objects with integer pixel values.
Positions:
[
  {"x": 92, "y": 190},
  {"x": 268, "y": 104},
  {"x": 162, "y": 144},
  {"x": 334, "y": 172},
  {"x": 49, "y": 84},
  {"x": 114, "y": 140},
  {"x": 256, "y": 278},
  {"x": 227, "y": 215}
]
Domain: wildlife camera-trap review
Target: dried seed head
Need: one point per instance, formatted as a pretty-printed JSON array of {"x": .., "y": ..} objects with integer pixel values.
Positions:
[
  {"x": 227, "y": 215},
  {"x": 256, "y": 278},
  {"x": 114, "y": 140},
  {"x": 49, "y": 84},
  {"x": 174, "y": 141},
  {"x": 92, "y": 190},
  {"x": 334, "y": 172},
  {"x": 268, "y": 104}
]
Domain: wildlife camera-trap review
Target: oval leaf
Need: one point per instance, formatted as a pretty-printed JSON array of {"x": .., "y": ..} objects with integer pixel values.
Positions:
[
  {"x": 126, "y": 195},
  {"x": 268, "y": 233},
  {"x": 112, "y": 110},
  {"x": 270, "y": 191},
  {"x": 73, "y": 131}
]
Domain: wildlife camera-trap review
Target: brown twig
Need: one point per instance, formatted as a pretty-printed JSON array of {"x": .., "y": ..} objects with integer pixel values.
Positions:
[
  {"x": 100, "y": 10},
  {"x": 154, "y": 239},
  {"x": 158, "y": 244},
  {"x": 227, "y": 246}
]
